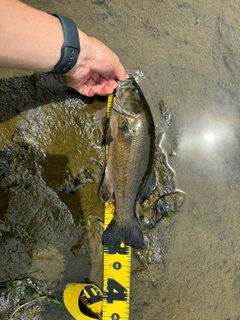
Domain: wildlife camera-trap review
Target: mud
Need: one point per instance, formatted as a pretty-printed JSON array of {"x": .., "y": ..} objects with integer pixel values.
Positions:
[{"x": 51, "y": 160}]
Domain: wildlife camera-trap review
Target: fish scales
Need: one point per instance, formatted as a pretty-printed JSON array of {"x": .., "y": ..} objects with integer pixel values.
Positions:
[{"x": 129, "y": 173}]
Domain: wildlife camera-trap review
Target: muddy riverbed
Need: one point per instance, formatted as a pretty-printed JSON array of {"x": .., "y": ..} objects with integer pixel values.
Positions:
[{"x": 52, "y": 162}]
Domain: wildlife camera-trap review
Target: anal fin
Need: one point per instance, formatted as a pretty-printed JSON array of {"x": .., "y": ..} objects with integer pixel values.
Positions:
[
  {"x": 147, "y": 187},
  {"x": 105, "y": 190}
]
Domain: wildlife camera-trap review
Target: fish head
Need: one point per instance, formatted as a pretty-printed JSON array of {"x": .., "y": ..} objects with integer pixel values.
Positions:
[{"x": 128, "y": 100}]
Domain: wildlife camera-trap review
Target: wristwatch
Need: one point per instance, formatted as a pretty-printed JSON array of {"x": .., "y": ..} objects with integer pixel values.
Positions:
[{"x": 70, "y": 48}]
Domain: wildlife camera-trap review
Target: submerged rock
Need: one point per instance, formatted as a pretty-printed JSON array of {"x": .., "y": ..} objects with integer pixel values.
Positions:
[{"x": 22, "y": 299}]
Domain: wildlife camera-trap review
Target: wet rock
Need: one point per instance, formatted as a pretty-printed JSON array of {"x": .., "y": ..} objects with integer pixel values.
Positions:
[
  {"x": 149, "y": 260},
  {"x": 34, "y": 220},
  {"x": 50, "y": 152},
  {"x": 163, "y": 202},
  {"x": 22, "y": 299},
  {"x": 89, "y": 244},
  {"x": 165, "y": 199}
]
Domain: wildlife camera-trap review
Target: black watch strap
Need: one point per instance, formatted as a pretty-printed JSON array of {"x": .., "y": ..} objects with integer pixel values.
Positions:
[{"x": 70, "y": 48}]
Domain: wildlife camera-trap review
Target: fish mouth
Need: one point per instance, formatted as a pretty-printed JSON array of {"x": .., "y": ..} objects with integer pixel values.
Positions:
[
  {"x": 137, "y": 74},
  {"x": 124, "y": 104},
  {"x": 124, "y": 84}
]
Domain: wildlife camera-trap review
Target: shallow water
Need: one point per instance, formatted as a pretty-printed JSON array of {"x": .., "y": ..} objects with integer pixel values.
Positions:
[{"x": 52, "y": 161}]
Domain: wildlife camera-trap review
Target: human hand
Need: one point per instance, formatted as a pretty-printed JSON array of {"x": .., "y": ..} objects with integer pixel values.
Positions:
[{"x": 97, "y": 70}]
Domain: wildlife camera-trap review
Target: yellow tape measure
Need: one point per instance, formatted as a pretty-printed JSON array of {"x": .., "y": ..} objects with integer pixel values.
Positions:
[
  {"x": 117, "y": 267},
  {"x": 85, "y": 301}
]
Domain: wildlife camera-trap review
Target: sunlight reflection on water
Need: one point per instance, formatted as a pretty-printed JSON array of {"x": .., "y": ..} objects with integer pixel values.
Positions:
[
  {"x": 207, "y": 135},
  {"x": 208, "y": 141}
]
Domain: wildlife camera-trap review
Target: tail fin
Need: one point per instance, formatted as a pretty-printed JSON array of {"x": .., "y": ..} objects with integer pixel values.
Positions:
[{"x": 128, "y": 232}]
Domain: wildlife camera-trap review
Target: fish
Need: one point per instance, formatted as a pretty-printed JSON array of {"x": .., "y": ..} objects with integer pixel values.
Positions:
[{"x": 129, "y": 173}]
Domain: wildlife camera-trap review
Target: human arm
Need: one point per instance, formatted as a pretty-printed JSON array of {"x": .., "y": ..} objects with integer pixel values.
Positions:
[{"x": 32, "y": 39}]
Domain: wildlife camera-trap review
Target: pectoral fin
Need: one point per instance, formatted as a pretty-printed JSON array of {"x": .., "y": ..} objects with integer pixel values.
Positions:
[
  {"x": 125, "y": 130},
  {"x": 107, "y": 137}
]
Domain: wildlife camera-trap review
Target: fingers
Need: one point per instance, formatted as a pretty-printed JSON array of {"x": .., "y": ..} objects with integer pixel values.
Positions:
[
  {"x": 97, "y": 69},
  {"x": 103, "y": 87},
  {"x": 96, "y": 84},
  {"x": 120, "y": 72},
  {"x": 93, "y": 83}
]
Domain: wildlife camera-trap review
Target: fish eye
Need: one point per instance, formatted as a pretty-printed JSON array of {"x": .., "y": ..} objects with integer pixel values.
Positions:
[{"x": 136, "y": 90}]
